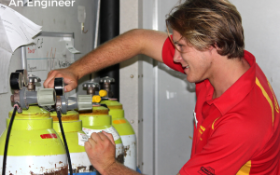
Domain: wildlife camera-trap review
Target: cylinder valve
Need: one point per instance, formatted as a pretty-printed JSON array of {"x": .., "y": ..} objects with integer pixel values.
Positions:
[{"x": 106, "y": 81}]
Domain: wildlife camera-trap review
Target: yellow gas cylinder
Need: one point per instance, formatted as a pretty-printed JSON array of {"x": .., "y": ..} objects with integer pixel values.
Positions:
[
  {"x": 99, "y": 120},
  {"x": 34, "y": 146},
  {"x": 76, "y": 138},
  {"x": 125, "y": 130}
]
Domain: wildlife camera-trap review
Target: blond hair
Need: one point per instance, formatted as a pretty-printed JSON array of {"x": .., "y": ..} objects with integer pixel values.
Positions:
[{"x": 206, "y": 23}]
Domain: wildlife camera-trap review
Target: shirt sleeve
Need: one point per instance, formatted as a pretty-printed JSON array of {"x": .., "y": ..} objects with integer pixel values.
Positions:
[
  {"x": 168, "y": 51},
  {"x": 227, "y": 151}
]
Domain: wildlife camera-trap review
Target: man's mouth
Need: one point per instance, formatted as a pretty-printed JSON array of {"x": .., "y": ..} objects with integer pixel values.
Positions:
[{"x": 186, "y": 67}]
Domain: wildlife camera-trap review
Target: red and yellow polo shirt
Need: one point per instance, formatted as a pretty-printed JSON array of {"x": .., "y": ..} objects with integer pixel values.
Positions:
[{"x": 237, "y": 133}]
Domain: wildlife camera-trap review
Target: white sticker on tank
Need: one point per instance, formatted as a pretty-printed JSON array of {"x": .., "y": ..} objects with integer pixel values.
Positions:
[
  {"x": 110, "y": 130},
  {"x": 82, "y": 138}
]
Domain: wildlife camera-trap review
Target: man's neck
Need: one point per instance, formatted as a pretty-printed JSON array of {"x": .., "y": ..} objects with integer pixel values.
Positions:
[{"x": 226, "y": 73}]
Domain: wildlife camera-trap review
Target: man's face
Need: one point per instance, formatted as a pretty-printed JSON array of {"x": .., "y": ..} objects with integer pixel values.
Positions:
[{"x": 196, "y": 64}]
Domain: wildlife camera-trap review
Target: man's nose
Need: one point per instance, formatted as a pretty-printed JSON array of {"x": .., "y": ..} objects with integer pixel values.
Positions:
[{"x": 177, "y": 56}]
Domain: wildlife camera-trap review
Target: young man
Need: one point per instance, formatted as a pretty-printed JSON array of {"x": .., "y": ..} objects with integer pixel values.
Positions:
[{"x": 237, "y": 129}]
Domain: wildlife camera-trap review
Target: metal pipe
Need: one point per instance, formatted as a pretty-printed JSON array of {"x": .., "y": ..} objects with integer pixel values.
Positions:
[
  {"x": 23, "y": 58},
  {"x": 110, "y": 28}
]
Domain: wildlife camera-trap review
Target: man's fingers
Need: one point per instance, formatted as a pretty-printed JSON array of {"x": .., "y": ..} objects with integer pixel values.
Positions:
[
  {"x": 49, "y": 83},
  {"x": 95, "y": 136},
  {"x": 109, "y": 136},
  {"x": 98, "y": 136},
  {"x": 68, "y": 88},
  {"x": 102, "y": 136}
]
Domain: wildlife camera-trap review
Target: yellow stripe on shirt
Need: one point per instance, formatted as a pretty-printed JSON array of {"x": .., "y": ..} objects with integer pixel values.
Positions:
[
  {"x": 267, "y": 98},
  {"x": 214, "y": 122},
  {"x": 245, "y": 169}
]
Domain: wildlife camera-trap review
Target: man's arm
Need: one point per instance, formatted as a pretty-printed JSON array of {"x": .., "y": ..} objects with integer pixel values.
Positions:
[
  {"x": 121, "y": 48},
  {"x": 100, "y": 149}
]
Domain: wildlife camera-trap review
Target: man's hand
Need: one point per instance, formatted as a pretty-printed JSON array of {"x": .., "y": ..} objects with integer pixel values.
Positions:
[
  {"x": 100, "y": 149},
  {"x": 70, "y": 79}
]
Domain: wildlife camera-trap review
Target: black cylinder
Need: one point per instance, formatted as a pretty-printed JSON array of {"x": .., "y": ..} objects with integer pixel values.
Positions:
[{"x": 110, "y": 28}]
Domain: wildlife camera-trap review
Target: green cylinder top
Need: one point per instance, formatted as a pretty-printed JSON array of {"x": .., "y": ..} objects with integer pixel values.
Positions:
[
  {"x": 70, "y": 122},
  {"x": 116, "y": 109},
  {"x": 69, "y": 116},
  {"x": 34, "y": 112},
  {"x": 98, "y": 117},
  {"x": 112, "y": 104}
]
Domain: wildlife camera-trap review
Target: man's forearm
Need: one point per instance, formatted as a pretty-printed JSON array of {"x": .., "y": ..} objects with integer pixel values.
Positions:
[
  {"x": 120, "y": 49},
  {"x": 119, "y": 169}
]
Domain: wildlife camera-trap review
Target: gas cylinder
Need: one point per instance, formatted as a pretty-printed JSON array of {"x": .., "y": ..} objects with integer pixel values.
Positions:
[
  {"x": 76, "y": 138},
  {"x": 34, "y": 146},
  {"x": 122, "y": 126},
  {"x": 99, "y": 120},
  {"x": 125, "y": 130}
]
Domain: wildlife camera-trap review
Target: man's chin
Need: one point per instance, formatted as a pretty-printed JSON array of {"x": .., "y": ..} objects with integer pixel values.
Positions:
[{"x": 189, "y": 79}]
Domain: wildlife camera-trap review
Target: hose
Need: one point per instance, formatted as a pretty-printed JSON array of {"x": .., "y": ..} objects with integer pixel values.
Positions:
[
  {"x": 7, "y": 140},
  {"x": 65, "y": 143}
]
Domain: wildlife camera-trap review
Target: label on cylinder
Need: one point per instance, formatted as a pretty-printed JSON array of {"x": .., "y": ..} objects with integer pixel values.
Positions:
[
  {"x": 48, "y": 136},
  {"x": 82, "y": 138},
  {"x": 110, "y": 130}
]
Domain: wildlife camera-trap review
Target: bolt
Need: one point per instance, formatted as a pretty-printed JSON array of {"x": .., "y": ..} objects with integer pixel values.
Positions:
[
  {"x": 142, "y": 120},
  {"x": 131, "y": 76},
  {"x": 138, "y": 121},
  {"x": 132, "y": 121},
  {"x": 142, "y": 163}
]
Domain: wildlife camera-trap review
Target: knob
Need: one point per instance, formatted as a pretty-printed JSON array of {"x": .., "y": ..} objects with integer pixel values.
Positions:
[
  {"x": 33, "y": 78},
  {"x": 46, "y": 97},
  {"x": 59, "y": 86},
  {"x": 91, "y": 84},
  {"x": 107, "y": 79},
  {"x": 16, "y": 80}
]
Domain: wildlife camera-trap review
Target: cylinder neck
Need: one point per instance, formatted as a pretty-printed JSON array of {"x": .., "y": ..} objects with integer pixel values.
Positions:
[
  {"x": 98, "y": 117},
  {"x": 34, "y": 112},
  {"x": 70, "y": 122}
]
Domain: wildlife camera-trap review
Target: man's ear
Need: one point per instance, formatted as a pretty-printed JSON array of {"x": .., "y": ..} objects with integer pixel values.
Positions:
[{"x": 213, "y": 48}]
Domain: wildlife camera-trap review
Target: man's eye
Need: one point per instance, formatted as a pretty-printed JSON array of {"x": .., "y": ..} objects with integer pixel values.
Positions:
[{"x": 180, "y": 46}]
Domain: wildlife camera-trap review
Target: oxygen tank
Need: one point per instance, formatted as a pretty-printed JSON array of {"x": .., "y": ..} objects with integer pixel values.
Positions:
[
  {"x": 122, "y": 126},
  {"x": 99, "y": 120},
  {"x": 34, "y": 146},
  {"x": 75, "y": 139},
  {"x": 125, "y": 130}
]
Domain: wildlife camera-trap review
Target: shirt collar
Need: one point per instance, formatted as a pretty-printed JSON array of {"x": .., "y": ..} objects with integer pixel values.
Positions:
[{"x": 237, "y": 92}]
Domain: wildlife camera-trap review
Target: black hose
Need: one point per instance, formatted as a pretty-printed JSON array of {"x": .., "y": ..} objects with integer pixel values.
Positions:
[
  {"x": 65, "y": 143},
  {"x": 7, "y": 141}
]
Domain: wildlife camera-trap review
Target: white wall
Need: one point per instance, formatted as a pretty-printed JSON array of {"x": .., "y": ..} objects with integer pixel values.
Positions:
[{"x": 261, "y": 25}]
